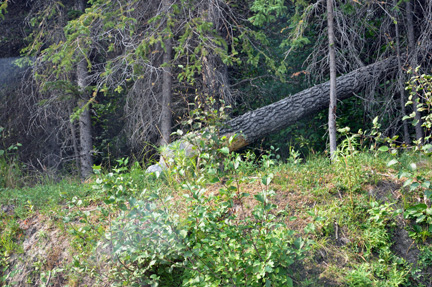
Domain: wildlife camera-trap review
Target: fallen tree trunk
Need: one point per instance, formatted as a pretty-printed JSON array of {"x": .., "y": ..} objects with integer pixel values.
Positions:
[{"x": 274, "y": 117}]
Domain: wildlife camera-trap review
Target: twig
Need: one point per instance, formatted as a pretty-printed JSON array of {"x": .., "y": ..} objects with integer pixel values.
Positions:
[
  {"x": 49, "y": 278},
  {"x": 336, "y": 230}
]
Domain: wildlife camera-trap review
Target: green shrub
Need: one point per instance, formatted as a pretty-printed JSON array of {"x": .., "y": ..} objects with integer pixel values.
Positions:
[{"x": 215, "y": 245}]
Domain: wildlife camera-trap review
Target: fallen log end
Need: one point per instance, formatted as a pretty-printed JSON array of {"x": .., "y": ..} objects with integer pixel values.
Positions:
[{"x": 238, "y": 142}]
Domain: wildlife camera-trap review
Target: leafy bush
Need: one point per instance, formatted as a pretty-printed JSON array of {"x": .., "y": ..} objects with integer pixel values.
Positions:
[
  {"x": 212, "y": 241},
  {"x": 229, "y": 248},
  {"x": 213, "y": 244},
  {"x": 204, "y": 239},
  {"x": 420, "y": 94}
]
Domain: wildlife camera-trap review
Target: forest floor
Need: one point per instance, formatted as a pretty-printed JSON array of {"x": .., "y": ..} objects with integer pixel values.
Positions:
[{"x": 365, "y": 221}]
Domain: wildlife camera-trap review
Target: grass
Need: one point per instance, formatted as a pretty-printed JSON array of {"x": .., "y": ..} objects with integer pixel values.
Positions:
[
  {"x": 348, "y": 210},
  {"x": 42, "y": 197}
]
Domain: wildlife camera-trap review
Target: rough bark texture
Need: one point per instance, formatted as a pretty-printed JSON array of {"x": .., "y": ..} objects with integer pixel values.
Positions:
[
  {"x": 85, "y": 131},
  {"x": 74, "y": 143},
  {"x": 86, "y": 143},
  {"x": 274, "y": 117},
  {"x": 332, "y": 56},
  {"x": 166, "y": 113}
]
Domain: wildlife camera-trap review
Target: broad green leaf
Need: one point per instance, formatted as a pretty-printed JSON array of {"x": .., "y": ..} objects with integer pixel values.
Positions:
[
  {"x": 427, "y": 148},
  {"x": 407, "y": 182},
  {"x": 392, "y": 162},
  {"x": 421, "y": 218},
  {"x": 266, "y": 180},
  {"x": 383, "y": 148},
  {"x": 183, "y": 233},
  {"x": 260, "y": 198},
  {"x": 289, "y": 282},
  {"x": 224, "y": 150},
  {"x": 418, "y": 207},
  {"x": 414, "y": 186}
]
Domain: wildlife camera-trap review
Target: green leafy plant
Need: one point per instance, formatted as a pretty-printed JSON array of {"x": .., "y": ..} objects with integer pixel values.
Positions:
[
  {"x": 215, "y": 244},
  {"x": 208, "y": 239},
  {"x": 422, "y": 215},
  {"x": 10, "y": 233},
  {"x": 3, "y": 8},
  {"x": 420, "y": 94},
  {"x": 229, "y": 247},
  {"x": 347, "y": 160},
  {"x": 376, "y": 236},
  {"x": 388, "y": 269}
]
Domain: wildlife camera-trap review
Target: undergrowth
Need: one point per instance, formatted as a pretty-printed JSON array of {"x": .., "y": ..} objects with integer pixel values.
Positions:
[
  {"x": 254, "y": 222},
  {"x": 215, "y": 218}
]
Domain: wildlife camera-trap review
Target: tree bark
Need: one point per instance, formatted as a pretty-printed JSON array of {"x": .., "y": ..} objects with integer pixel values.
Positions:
[
  {"x": 166, "y": 113},
  {"x": 274, "y": 117},
  {"x": 332, "y": 106},
  {"x": 85, "y": 131}
]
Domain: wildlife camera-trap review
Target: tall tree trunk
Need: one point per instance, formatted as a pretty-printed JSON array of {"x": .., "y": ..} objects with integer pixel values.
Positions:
[
  {"x": 85, "y": 131},
  {"x": 86, "y": 143},
  {"x": 407, "y": 139},
  {"x": 413, "y": 64},
  {"x": 166, "y": 112},
  {"x": 332, "y": 56}
]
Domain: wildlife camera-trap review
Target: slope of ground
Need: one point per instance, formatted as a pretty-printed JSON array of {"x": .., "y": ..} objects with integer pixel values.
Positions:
[{"x": 351, "y": 216}]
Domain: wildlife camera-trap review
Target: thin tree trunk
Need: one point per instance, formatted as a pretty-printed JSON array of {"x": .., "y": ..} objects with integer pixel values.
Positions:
[
  {"x": 86, "y": 143},
  {"x": 332, "y": 106},
  {"x": 407, "y": 139},
  {"x": 85, "y": 130},
  {"x": 166, "y": 112},
  {"x": 413, "y": 63},
  {"x": 210, "y": 81}
]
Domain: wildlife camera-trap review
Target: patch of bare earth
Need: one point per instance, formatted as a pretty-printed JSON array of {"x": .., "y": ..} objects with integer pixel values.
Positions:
[
  {"x": 45, "y": 248},
  {"x": 47, "y": 256}
]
